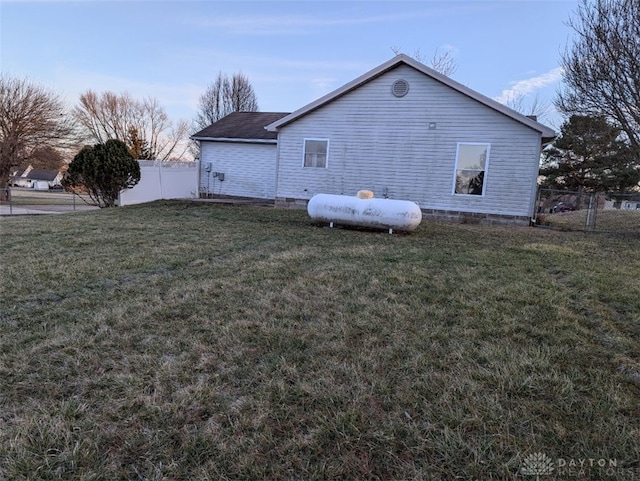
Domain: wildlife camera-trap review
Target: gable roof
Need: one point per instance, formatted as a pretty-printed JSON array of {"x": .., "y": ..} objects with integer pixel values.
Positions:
[
  {"x": 242, "y": 127},
  {"x": 547, "y": 133},
  {"x": 20, "y": 172},
  {"x": 48, "y": 175}
]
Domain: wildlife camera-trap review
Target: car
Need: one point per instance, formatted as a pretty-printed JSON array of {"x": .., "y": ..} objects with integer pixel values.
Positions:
[{"x": 563, "y": 207}]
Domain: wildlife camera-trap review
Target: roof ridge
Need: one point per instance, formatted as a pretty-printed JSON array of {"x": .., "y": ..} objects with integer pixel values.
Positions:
[{"x": 394, "y": 62}]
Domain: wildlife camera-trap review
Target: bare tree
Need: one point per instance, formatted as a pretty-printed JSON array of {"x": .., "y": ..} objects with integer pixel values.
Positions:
[
  {"x": 45, "y": 158},
  {"x": 602, "y": 67},
  {"x": 175, "y": 141},
  {"x": 31, "y": 117},
  {"x": 141, "y": 124},
  {"x": 536, "y": 108},
  {"x": 212, "y": 105},
  {"x": 223, "y": 96},
  {"x": 442, "y": 62},
  {"x": 241, "y": 95}
]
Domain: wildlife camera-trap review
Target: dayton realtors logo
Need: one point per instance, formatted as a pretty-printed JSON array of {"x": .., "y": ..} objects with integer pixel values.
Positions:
[{"x": 537, "y": 464}]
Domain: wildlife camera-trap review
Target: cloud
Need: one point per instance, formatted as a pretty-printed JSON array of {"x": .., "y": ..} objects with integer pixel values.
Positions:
[
  {"x": 527, "y": 86},
  {"x": 291, "y": 23},
  {"x": 285, "y": 24}
]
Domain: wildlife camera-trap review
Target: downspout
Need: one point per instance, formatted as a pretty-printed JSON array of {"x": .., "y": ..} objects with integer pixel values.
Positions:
[
  {"x": 533, "y": 207},
  {"x": 275, "y": 193}
]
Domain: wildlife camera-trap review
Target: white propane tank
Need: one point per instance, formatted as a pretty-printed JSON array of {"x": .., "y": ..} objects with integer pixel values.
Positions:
[{"x": 368, "y": 212}]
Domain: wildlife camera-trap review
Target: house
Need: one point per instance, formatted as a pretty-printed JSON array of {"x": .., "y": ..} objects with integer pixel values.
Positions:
[
  {"x": 622, "y": 201},
  {"x": 405, "y": 131},
  {"x": 632, "y": 203},
  {"x": 238, "y": 156},
  {"x": 36, "y": 178}
]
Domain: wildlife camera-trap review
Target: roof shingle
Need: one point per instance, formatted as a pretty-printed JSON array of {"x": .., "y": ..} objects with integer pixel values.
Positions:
[{"x": 242, "y": 125}]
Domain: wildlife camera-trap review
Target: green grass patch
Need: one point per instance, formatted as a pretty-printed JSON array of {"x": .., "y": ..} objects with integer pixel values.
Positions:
[{"x": 180, "y": 340}]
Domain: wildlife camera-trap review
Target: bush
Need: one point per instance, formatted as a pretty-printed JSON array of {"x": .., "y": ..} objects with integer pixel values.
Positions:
[{"x": 103, "y": 171}]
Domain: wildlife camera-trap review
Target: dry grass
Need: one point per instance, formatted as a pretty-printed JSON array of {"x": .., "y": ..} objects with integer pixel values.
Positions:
[
  {"x": 614, "y": 220},
  {"x": 179, "y": 341},
  {"x": 31, "y": 197}
]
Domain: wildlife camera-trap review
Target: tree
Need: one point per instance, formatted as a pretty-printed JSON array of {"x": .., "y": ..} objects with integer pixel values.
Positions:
[
  {"x": 536, "y": 108},
  {"x": 31, "y": 118},
  {"x": 601, "y": 70},
  {"x": 116, "y": 116},
  {"x": 138, "y": 147},
  {"x": 442, "y": 62},
  {"x": 224, "y": 96},
  {"x": 44, "y": 158},
  {"x": 589, "y": 155},
  {"x": 103, "y": 171}
]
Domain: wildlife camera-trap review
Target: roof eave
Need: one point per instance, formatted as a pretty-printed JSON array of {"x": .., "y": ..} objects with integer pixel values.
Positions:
[{"x": 235, "y": 140}]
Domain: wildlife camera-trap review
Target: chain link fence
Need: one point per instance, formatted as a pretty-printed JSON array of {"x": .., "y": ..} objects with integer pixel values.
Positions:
[
  {"x": 25, "y": 201},
  {"x": 606, "y": 212}
]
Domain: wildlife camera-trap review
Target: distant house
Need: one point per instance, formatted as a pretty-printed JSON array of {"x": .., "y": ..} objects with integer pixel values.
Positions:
[
  {"x": 36, "y": 178},
  {"x": 238, "y": 156},
  {"x": 632, "y": 203},
  {"x": 628, "y": 202},
  {"x": 403, "y": 131}
]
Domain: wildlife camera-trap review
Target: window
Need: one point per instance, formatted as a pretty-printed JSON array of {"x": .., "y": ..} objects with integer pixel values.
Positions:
[
  {"x": 471, "y": 167},
  {"x": 315, "y": 153}
]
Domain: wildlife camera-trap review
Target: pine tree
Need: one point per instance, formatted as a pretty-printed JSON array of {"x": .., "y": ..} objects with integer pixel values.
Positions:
[
  {"x": 103, "y": 171},
  {"x": 590, "y": 155}
]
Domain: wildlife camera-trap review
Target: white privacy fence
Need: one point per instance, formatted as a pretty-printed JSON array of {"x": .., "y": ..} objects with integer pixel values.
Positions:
[{"x": 163, "y": 180}]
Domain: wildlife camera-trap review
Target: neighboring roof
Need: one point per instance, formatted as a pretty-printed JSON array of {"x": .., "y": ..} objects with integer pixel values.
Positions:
[
  {"x": 242, "y": 126},
  {"x": 18, "y": 173},
  {"x": 547, "y": 133},
  {"x": 47, "y": 175}
]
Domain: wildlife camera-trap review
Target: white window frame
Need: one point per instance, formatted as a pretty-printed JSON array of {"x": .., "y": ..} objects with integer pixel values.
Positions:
[
  {"x": 486, "y": 169},
  {"x": 304, "y": 153}
]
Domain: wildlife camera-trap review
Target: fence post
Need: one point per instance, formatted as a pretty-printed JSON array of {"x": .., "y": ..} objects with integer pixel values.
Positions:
[
  {"x": 9, "y": 199},
  {"x": 590, "y": 220}
]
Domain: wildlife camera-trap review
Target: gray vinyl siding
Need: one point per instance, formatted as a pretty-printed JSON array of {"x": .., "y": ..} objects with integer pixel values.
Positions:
[
  {"x": 249, "y": 169},
  {"x": 383, "y": 143}
]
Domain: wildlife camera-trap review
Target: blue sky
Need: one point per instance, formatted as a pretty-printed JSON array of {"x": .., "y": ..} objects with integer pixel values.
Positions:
[{"x": 292, "y": 51}]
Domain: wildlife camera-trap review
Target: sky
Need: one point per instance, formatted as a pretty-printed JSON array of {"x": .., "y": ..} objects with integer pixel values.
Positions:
[{"x": 292, "y": 52}]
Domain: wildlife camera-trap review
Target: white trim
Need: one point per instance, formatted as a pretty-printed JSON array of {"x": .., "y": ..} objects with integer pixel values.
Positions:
[
  {"x": 234, "y": 139},
  {"x": 304, "y": 152},
  {"x": 486, "y": 169}
]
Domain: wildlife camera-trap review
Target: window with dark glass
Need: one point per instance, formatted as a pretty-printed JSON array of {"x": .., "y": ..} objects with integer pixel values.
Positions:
[{"x": 471, "y": 167}]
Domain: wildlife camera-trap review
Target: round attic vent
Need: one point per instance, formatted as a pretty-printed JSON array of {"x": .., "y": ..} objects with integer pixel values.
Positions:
[{"x": 400, "y": 88}]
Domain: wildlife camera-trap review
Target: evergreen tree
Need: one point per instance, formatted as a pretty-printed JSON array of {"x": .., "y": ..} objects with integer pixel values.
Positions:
[
  {"x": 103, "y": 171},
  {"x": 138, "y": 146},
  {"x": 590, "y": 155}
]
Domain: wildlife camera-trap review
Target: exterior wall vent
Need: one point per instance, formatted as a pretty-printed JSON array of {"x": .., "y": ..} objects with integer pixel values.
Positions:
[{"x": 400, "y": 88}]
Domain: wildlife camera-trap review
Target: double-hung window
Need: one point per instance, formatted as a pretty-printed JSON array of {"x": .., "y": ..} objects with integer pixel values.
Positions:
[
  {"x": 316, "y": 152},
  {"x": 472, "y": 160}
]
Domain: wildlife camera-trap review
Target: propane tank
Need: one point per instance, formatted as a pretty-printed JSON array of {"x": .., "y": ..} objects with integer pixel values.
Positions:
[{"x": 361, "y": 211}]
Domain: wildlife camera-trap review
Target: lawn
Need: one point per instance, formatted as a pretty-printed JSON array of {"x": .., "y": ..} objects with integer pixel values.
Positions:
[
  {"x": 613, "y": 220},
  {"x": 189, "y": 341},
  {"x": 22, "y": 197}
]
